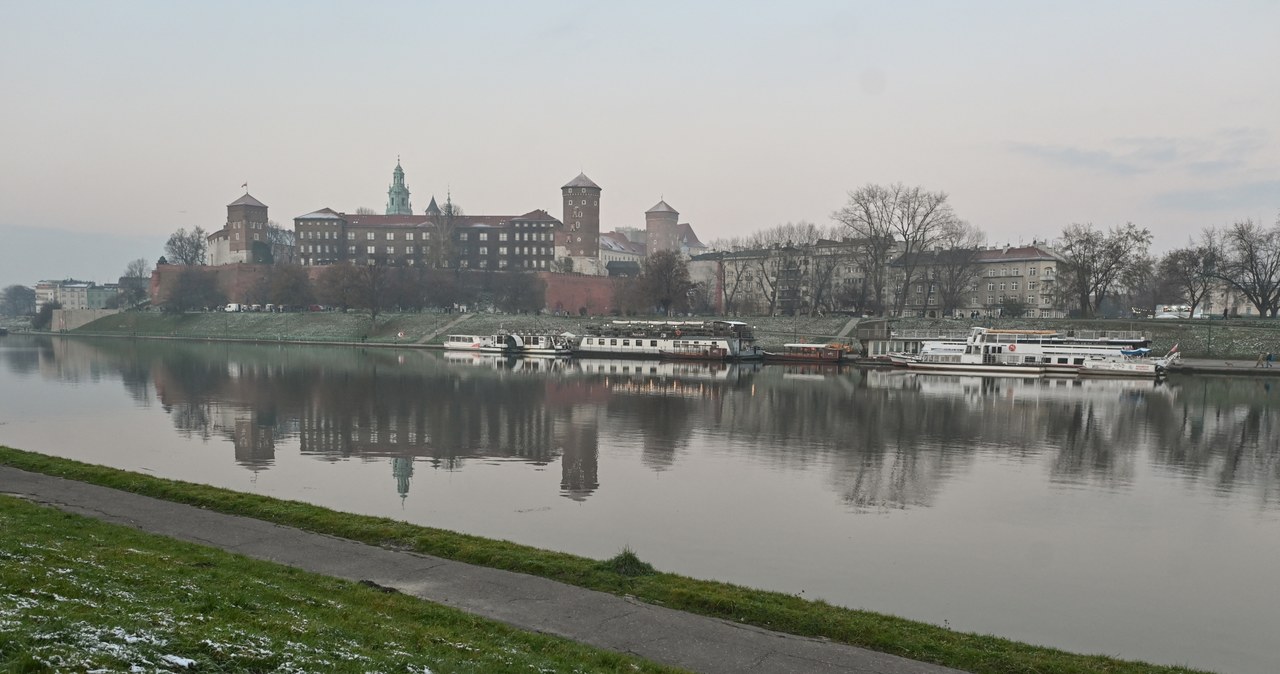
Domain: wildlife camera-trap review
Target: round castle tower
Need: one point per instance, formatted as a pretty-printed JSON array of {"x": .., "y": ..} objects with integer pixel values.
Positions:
[{"x": 662, "y": 229}]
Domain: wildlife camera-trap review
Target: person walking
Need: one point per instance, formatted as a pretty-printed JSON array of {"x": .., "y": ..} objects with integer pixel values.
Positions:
[
  {"x": 1270, "y": 357},
  {"x": 1261, "y": 357}
]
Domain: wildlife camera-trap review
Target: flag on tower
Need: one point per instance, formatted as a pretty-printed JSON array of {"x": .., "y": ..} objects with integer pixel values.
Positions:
[{"x": 245, "y": 186}]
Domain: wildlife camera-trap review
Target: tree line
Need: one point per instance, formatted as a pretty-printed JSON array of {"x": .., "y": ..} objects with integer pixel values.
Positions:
[
  {"x": 374, "y": 289},
  {"x": 894, "y": 237}
]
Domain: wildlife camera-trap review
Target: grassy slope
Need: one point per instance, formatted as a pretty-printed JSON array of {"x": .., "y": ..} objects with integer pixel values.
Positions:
[
  {"x": 971, "y": 652},
  {"x": 83, "y": 595}
]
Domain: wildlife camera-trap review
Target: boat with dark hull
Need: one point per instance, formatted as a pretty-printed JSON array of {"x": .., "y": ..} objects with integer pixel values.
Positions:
[{"x": 806, "y": 353}]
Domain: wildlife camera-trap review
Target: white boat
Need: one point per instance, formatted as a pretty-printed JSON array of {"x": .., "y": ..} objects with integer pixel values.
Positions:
[
  {"x": 545, "y": 345},
  {"x": 1135, "y": 363},
  {"x": 478, "y": 343},
  {"x": 1023, "y": 352},
  {"x": 656, "y": 339},
  {"x": 512, "y": 344}
]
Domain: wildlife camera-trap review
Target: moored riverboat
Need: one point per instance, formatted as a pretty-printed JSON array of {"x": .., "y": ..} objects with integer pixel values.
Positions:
[
  {"x": 1025, "y": 351},
  {"x": 1131, "y": 363},
  {"x": 478, "y": 343},
  {"x": 512, "y": 344},
  {"x": 531, "y": 344},
  {"x": 806, "y": 353},
  {"x": 670, "y": 339},
  {"x": 696, "y": 353}
]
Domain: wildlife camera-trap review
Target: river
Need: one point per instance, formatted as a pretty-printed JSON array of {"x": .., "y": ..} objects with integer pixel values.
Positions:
[{"x": 1130, "y": 518}]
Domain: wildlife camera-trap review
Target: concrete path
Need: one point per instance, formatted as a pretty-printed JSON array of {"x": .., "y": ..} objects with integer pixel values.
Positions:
[
  {"x": 527, "y": 602},
  {"x": 1223, "y": 366},
  {"x": 447, "y": 327},
  {"x": 848, "y": 327}
]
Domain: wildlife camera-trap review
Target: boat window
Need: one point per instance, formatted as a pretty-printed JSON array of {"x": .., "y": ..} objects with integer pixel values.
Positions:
[
  {"x": 1079, "y": 361},
  {"x": 626, "y": 342},
  {"x": 653, "y": 342},
  {"x": 1062, "y": 361},
  {"x": 613, "y": 342}
]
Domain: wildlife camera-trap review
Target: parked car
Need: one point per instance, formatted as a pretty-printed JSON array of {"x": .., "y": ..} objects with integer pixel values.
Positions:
[{"x": 233, "y": 308}]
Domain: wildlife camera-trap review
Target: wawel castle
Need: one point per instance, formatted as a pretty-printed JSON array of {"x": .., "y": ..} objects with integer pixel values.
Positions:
[{"x": 443, "y": 236}]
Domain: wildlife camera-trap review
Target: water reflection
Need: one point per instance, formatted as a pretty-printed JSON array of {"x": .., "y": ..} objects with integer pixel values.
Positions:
[
  {"x": 1139, "y": 511},
  {"x": 889, "y": 438}
]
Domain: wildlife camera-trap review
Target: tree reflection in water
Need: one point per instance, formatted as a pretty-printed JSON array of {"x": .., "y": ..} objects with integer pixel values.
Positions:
[{"x": 890, "y": 439}]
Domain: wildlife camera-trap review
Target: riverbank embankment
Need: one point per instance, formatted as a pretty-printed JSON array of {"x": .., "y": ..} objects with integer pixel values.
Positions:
[{"x": 1237, "y": 339}]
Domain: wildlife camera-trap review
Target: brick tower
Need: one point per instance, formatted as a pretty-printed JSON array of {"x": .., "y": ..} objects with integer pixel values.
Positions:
[
  {"x": 246, "y": 223},
  {"x": 580, "y": 238},
  {"x": 662, "y": 229}
]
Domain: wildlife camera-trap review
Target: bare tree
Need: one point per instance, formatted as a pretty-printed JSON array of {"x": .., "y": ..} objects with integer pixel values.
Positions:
[
  {"x": 1096, "y": 261},
  {"x": 194, "y": 289},
  {"x": 138, "y": 268},
  {"x": 734, "y": 268},
  {"x": 187, "y": 248},
  {"x": 882, "y": 218},
  {"x": 1248, "y": 259},
  {"x": 365, "y": 210},
  {"x": 278, "y": 235},
  {"x": 954, "y": 268},
  {"x": 664, "y": 282},
  {"x": 337, "y": 286},
  {"x": 1191, "y": 271},
  {"x": 781, "y": 271}
]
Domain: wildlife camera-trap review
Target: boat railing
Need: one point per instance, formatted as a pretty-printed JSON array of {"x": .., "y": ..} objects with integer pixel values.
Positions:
[{"x": 928, "y": 335}]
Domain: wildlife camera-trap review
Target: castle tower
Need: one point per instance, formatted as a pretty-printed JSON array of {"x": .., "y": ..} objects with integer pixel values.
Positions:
[
  {"x": 580, "y": 238},
  {"x": 398, "y": 194},
  {"x": 662, "y": 229},
  {"x": 246, "y": 223}
]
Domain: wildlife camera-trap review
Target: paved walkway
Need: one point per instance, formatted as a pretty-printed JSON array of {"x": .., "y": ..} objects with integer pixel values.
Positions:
[
  {"x": 603, "y": 620},
  {"x": 1223, "y": 366},
  {"x": 448, "y": 326}
]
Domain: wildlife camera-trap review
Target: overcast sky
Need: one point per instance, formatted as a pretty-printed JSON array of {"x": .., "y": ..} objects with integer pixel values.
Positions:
[{"x": 131, "y": 119}]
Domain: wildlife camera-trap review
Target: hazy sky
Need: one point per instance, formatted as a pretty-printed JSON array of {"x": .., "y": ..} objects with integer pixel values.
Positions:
[{"x": 131, "y": 119}]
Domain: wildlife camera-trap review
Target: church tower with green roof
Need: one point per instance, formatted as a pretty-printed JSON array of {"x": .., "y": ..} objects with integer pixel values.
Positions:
[{"x": 398, "y": 195}]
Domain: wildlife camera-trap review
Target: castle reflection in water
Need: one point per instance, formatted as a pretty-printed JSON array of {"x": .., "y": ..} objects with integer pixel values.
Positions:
[{"x": 890, "y": 438}]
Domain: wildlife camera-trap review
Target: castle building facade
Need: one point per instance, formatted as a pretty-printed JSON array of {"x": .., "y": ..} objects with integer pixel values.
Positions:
[{"x": 438, "y": 238}]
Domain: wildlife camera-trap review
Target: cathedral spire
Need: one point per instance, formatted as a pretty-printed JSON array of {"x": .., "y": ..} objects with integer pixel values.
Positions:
[{"x": 398, "y": 194}]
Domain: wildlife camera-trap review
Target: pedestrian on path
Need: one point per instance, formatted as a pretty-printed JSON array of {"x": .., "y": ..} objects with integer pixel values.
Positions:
[
  {"x": 1270, "y": 357},
  {"x": 1261, "y": 357}
]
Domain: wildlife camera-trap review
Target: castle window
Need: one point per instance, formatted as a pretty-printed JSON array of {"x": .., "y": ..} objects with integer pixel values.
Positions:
[
  {"x": 369, "y": 236},
  {"x": 351, "y": 250},
  {"x": 462, "y": 236},
  {"x": 391, "y": 236},
  {"x": 502, "y": 264},
  {"x": 484, "y": 236},
  {"x": 370, "y": 250},
  {"x": 502, "y": 236},
  {"x": 408, "y": 236},
  {"x": 484, "y": 250},
  {"x": 391, "y": 250}
]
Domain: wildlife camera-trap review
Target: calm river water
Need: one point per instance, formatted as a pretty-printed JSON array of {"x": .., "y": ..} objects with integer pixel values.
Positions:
[{"x": 1127, "y": 518}]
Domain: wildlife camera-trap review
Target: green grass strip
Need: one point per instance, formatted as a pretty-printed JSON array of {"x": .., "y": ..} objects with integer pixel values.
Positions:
[
  {"x": 77, "y": 594},
  {"x": 770, "y": 610}
]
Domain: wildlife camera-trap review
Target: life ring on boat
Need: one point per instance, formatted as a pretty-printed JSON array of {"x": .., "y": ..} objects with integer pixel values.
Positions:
[
  {"x": 677, "y": 333},
  {"x": 1013, "y": 347}
]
